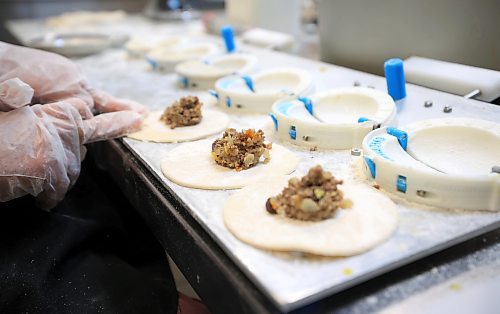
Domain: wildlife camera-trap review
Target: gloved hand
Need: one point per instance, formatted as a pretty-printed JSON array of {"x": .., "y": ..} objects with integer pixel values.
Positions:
[
  {"x": 53, "y": 78},
  {"x": 14, "y": 93},
  {"x": 41, "y": 146}
]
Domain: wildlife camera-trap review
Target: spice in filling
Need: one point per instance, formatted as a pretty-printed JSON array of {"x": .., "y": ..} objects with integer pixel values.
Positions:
[
  {"x": 314, "y": 197},
  {"x": 240, "y": 150},
  {"x": 185, "y": 112}
]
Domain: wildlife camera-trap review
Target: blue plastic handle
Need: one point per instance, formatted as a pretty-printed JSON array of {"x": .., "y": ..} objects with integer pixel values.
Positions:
[
  {"x": 402, "y": 136},
  {"x": 395, "y": 78},
  {"x": 248, "y": 82},
  {"x": 307, "y": 103},
  {"x": 228, "y": 36},
  {"x": 275, "y": 120}
]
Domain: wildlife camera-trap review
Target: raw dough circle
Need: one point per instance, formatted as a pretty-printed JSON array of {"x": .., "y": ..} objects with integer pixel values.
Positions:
[
  {"x": 371, "y": 220},
  {"x": 191, "y": 165},
  {"x": 154, "y": 130}
]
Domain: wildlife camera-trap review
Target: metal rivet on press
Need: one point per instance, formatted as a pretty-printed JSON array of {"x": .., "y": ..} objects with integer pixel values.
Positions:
[
  {"x": 305, "y": 138},
  {"x": 356, "y": 83},
  {"x": 421, "y": 193},
  {"x": 495, "y": 169},
  {"x": 447, "y": 109},
  {"x": 356, "y": 152},
  {"x": 428, "y": 103}
]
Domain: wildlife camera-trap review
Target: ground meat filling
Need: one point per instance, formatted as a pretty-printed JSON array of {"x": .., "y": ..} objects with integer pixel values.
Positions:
[
  {"x": 185, "y": 112},
  {"x": 314, "y": 197},
  {"x": 240, "y": 150}
]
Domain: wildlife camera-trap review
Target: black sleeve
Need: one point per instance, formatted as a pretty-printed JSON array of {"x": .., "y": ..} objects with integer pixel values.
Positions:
[{"x": 92, "y": 253}]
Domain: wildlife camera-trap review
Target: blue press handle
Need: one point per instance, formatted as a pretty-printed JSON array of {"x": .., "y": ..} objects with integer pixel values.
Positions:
[
  {"x": 401, "y": 135},
  {"x": 228, "y": 36},
  {"x": 395, "y": 78}
]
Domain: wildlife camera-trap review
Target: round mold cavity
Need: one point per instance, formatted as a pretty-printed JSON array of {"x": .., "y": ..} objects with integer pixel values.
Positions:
[
  {"x": 461, "y": 148},
  {"x": 257, "y": 93},
  {"x": 165, "y": 58},
  {"x": 233, "y": 63},
  {"x": 345, "y": 108},
  {"x": 202, "y": 74},
  {"x": 335, "y": 119},
  {"x": 276, "y": 82},
  {"x": 172, "y": 41},
  {"x": 447, "y": 162},
  {"x": 348, "y": 105},
  {"x": 139, "y": 47}
]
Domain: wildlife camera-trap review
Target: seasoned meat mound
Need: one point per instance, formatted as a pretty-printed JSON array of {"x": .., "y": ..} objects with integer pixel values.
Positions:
[
  {"x": 185, "y": 112},
  {"x": 314, "y": 197},
  {"x": 240, "y": 150}
]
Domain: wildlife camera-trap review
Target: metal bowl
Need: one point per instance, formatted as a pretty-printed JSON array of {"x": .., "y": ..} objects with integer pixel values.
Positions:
[{"x": 73, "y": 44}]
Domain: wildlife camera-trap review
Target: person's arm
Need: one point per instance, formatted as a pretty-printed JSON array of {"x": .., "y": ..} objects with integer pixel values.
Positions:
[
  {"x": 46, "y": 116},
  {"x": 51, "y": 78}
]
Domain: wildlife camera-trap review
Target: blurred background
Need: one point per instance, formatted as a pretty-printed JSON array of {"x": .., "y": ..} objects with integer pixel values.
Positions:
[
  {"x": 358, "y": 34},
  {"x": 28, "y": 9}
]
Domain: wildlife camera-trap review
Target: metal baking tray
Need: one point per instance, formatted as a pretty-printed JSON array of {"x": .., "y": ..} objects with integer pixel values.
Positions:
[{"x": 291, "y": 280}]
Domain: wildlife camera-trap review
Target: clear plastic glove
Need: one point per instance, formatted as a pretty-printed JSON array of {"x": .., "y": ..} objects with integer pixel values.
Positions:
[
  {"x": 41, "y": 146},
  {"x": 53, "y": 78},
  {"x": 14, "y": 93}
]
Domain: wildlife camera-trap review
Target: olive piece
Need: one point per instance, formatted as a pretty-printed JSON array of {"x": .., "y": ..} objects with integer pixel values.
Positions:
[{"x": 269, "y": 207}]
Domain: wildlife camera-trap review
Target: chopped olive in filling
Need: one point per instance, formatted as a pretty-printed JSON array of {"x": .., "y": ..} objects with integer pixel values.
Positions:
[
  {"x": 240, "y": 150},
  {"x": 185, "y": 112},
  {"x": 314, "y": 197}
]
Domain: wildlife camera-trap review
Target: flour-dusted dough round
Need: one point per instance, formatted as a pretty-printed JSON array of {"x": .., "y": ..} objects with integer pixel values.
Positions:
[
  {"x": 154, "y": 130},
  {"x": 191, "y": 165},
  {"x": 371, "y": 220}
]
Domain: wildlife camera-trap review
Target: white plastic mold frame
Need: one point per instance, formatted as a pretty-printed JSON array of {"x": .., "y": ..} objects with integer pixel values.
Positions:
[
  {"x": 165, "y": 57},
  {"x": 138, "y": 47},
  {"x": 202, "y": 74},
  {"x": 257, "y": 93},
  {"x": 388, "y": 160},
  {"x": 334, "y": 119}
]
